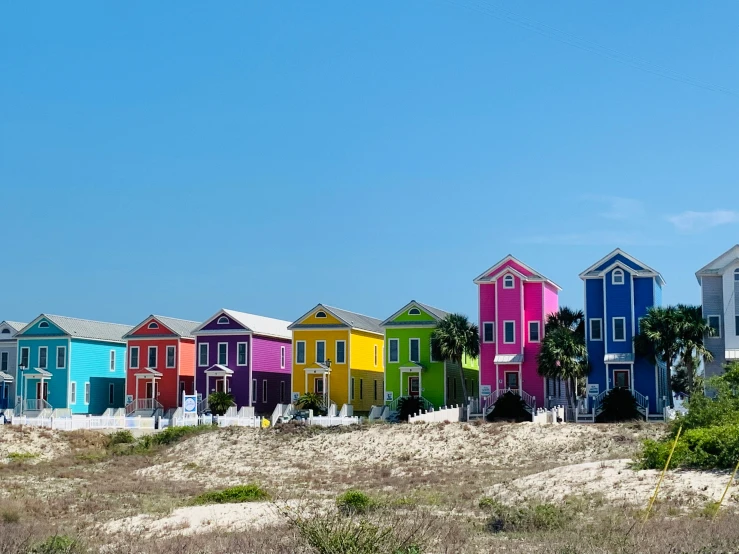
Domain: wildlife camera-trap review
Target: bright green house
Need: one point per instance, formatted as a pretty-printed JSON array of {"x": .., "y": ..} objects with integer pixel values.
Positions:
[{"x": 410, "y": 369}]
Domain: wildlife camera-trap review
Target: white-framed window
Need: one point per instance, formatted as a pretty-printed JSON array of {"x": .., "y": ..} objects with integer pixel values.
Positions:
[
  {"x": 253, "y": 391},
  {"x": 152, "y": 357},
  {"x": 223, "y": 353},
  {"x": 282, "y": 361},
  {"x": 25, "y": 354},
  {"x": 282, "y": 391},
  {"x": 321, "y": 315},
  {"x": 87, "y": 392},
  {"x": 223, "y": 320},
  {"x": 61, "y": 357},
  {"x": 393, "y": 355},
  {"x": 361, "y": 389},
  {"x": 352, "y": 391},
  {"x": 134, "y": 357},
  {"x": 242, "y": 354},
  {"x": 736, "y": 275},
  {"x": 375, "y": 389},
  {"x": 375, "y": 355},
  {"x": 488, "y": 331},
  {"x": 617, "y": 277},
  {"x": 72, "y": 393},
  {"x": 42, "y": 357},
  {"x": 112, "y": 360},
  {"x": 5, "y": 332},
  {"x": 414, "y": 311},
  {"x": 111, "y": 394},
  {"x": 534, "y": 331},
  {"x": 264, "y": 390},
  {"x": 596, "y": 329},
  {"x": 320, "y": 351},
  {"x": 153, "y": 325},
  {"x": 300, "y": 352},
  {"x": 509, "y": 282},
  {"x": 171, "y": 355},
  {"x": 619, "y": 329},
  {"x": 203, "y": 354},
  {"x": 431, "y": 352},
  {"x": 43, "y": 325},
  {"x": 714, "y": 322},
  {"x": 340, "y": 351},
  {"x": 414, "y": 346},
  {"x": 509, "y": 332},
  {"x": 4, "y": 361}
]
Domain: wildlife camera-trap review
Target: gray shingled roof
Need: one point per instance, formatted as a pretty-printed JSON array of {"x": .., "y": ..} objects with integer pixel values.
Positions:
[
  {"x": 358, "y": 321},
  {"x": 17, "y": 325},
  {"x": 441, "y": 314},
  {"x": 86, "y": 329},
  {"x": 181, "y": 327}
]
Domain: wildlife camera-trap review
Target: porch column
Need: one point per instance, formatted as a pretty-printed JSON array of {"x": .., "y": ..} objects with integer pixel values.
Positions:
[{"x": 207, "y": 384}]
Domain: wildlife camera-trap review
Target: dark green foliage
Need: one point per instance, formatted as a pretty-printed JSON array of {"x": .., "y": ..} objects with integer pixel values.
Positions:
[
  {"x": 312, "y": 401},
  {"x": 454, "y": 338},
  {"x": 58, "y": 544},
  {"x": 408, "y": 406},
  {"x": 509, "y": 407},
  {"x": 233, "y": 495},
  {"x": 121, "y": 437},
  {"x": 174, "y": 434},
  {"x": 220, "y": 402},
  {"x": 525, "y": 518},
  {"x": 619, "y": 405},
  {"x": 355, "y": 502}
]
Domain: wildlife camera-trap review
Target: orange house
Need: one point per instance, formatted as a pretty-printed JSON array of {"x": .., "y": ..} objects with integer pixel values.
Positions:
[{"x": 160, "y": 364}]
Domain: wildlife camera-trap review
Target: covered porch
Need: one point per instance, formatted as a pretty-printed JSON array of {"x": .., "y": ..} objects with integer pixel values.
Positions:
[
  {"x": 6, "y": 387},
  {"x": 35, "y": 390},
  {"x": 318, "y": 381},
  {"x": 146, "y": 391}
]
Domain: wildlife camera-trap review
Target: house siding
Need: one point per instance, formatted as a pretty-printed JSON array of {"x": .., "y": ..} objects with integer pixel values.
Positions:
[
  {"x": 713, "y": 304},
  {"x": 10, "y": 347},
  {"x": 57, "y": 384},
  {"x": 486, "y": 298},
  {"x": 168, "y": 384},
  {"x": 90, "y": 363}
]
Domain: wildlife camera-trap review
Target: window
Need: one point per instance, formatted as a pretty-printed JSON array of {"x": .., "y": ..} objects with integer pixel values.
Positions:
[
  {"x": 488, "y": 331},
  {"x": 153, "y": 325},
  {"x": 415, "y": 348},
  {"x": 318, "y": 385},
  {"x": 253, "y": 391},
  {"x": 241, "y": 351},
  {"x": 73, "y": 393},
  {"x": 736, "y": 325},
  {"x": 431, "y": 351},
  {"x": 171, "y": 351},
  {"x": 134, "y": 356},
  {"x": 392, "y": 351},
  {"x": 153, "y": 357},
  {"x": 111, "y": 394},
  {"x": 596, "y": 329},
  {"x": 223, "y": 353},
  {"x": 43, "y": 325},
  {"x": 320, "y": 351},
  {"x": 508, "y": 282},
  {"x": 5, "y": 332},
  {"x": 42, "y": 350},
  {"x": 352, "y": 388},
  {"x": 361, "y": 389},
  {"x": 282, "y": 357},
  {"x": 340, "y": 351},
  {"x": 264, "y": 390},
  {"x": 533, "y": 331},
  {"x": 300, "y": 352},
  {"x": 4, "y": 361},
  {"x": 87, "y": 393},
  {"x": 509, "y": 332},
  {"x": 617, "y": 277},
  {"x": 320, "y": 315},
  {"x": 414, "y": 311},
  {"x": 25, "y": 353},
  {"x": 112, "y": 360},
  {"x": 375, "y": 389},
  {"x": 282, "y": 391},
  {"x": 619, "y": 329},
  {"x": 375, "y": 355},
  {"x": 736, "y": 276},
  {"x": 714, "y": 322},
  {"x": 203, "y": 354},
  {"x": 223, "y": 320}
]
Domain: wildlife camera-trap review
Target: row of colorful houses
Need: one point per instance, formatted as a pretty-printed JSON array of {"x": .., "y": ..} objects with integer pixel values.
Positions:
[{"x": 349, "y": 358}]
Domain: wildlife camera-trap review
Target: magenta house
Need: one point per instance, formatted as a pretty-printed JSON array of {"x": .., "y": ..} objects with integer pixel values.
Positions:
[
  {"x": 248, "y": 356},
  {"x": 514, "y": 301}
]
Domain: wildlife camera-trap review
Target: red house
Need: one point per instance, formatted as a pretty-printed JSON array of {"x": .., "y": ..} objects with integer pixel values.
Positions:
[{"x": 160, "y": 364}]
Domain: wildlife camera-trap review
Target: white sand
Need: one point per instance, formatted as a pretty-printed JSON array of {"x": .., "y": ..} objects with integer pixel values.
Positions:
[{"x": 41, "y": 443}]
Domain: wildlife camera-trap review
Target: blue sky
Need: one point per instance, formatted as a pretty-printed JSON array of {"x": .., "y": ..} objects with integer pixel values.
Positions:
[{"x": 179, "y": 157}]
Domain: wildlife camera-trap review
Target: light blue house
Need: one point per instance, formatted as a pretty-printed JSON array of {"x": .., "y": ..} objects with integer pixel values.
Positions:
[
  {"x": 8, "y": 355},
  {"x": 70, "y": 363},
  {"x": 619, "y": 290}
]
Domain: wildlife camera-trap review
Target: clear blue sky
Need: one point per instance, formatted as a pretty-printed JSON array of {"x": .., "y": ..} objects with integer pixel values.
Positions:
[{"x": 178, "y": 157}]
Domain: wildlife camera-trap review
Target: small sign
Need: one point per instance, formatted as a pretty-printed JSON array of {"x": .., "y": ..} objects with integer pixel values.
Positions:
[
  {"x": 486, "y": 390},
  {"x": 593, "y": 389},
  {"x": 296, "y": 396},
  {"x": 129, "y": 399},
  {"x": 190, "y": 404},
  {"x": 388, "y": 396}
]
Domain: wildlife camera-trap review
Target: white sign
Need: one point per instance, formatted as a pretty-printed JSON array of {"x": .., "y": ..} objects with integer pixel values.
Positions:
[
  {"x": 190, "y": 404},
  {"x": 593, "y": 389},
  {"x": 388, "y": 396},
  {"x": 296, "y": 396},
  {"x": 129, "y": 399},
  {"x": 486, "y": 390}
]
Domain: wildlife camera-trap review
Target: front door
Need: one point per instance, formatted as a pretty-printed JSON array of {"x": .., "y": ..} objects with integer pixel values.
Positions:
[
  {"x": 511, "y": 380},
  {"x": 221, "y": 385},
  {"x": 42, "y": 390},
  {"x": 621, "y": 379},
  {"x": 318, "y": 385},
  {"x": 413, "y": 386},
  {"x": 151, "y": 389}
]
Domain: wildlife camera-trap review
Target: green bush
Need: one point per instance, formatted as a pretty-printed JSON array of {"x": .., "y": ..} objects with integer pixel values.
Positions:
[
  {"x": 715, "y": 447},
  {"x": 220, "y": 402},
  {"x": 409, "y": 406},
  {"x": 509, "y": 407},
  {"x": 58, "y": 544},
  {"x": 355, "y": 502},
  {"x": 619, "y": 405},
  {"x": 174, "y": 434},
  {"x": 525, "y": 518},
  {"x": 121, "y": 437},
  {"x": 233, "y": 495}
]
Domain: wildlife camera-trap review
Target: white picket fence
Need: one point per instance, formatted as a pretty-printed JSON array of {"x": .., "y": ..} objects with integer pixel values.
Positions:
[
  {"x": 86, "y": 422},
  {"x": 332, "y": 421},
  {"x": 453, "y": 414},
  {"x": 555, "y": 415}
]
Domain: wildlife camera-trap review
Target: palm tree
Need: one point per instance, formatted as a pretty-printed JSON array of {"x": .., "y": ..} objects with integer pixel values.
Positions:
[
  {"x": 693, "y": 330},
  {"x": 660, "y": 338},
  {"x": 453, "y": 339},
  {"x": 220, "y": 402},
  {"x": 563, "y": 354}
]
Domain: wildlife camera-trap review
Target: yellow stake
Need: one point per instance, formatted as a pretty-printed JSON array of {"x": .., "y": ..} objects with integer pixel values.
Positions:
[
  {"x": 659, "y": 483},
  {"x": 726, "y": 490}
]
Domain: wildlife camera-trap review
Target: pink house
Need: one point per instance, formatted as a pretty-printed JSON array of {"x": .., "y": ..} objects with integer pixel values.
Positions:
[{"x": 514, "y": 302}]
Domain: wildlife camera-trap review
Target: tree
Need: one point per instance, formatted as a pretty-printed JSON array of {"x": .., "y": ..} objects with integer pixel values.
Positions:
[
  {"x": 563, "y": 354},
  {"x": 311, "y": 401},
  {"x": 453, "y": 339},
  {"x": 659, "y": 338},
  {"x": 693, "y": 329},
  {"x": 220, "y": 402}
]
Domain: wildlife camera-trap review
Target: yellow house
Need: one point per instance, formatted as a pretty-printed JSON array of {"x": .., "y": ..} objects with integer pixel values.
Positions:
[{"x": 339, "y": 354}]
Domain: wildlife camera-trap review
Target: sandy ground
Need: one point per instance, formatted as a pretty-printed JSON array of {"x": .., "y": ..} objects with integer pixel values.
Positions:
[{"x": 42, "y": 444}]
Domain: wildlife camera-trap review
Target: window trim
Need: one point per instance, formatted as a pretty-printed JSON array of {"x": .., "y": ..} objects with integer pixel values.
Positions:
[
  {"x": 6, "y": 355},
  {"x": 153, "y": 325},
  {"x": 174, "y": 357},
  {"x": 282, "y": 391},
  {"x": 28, "y": 356},
  {"x": 513, "y": 326},
  {"x": 414, "y": 311},
  {"x": 492, "y": 325},
  {"x": 88, "y": 393},
  {"x": 148, "y": 356},
  {"x": 506, "y": 281},
  {"x": 620, "y": 273},
  {"x": 207, "y": 354},
  {"x": 222, "y": 322},
  {"x": 708, "y": 319},
  {"x": 410, "y": 350},
  {"x": 736, "y": 274},
  {"x": 613, "y": 328},
  {"x": 253, "y": 391},
  {"x": 320, "y": 314},
  {"x": 361, "y": 388},
  {"x": 352, "y": 395},
  {"x": 111, "y": 394},
  {"x": 46, "y": 357},
  {"x": 390, "y": 351},
  {"x": 246, "y": 354},
  {"x": 264, "y": 391},
  {"x": 218, "y": 360},
  {"x": 112, "y": 360},
  {"x": 298, "y": 361},
  {"x": 64, "y": 364},
  {"x": 324, "y": 351},
  {"x": 376, "y": 352},
  {"x": 600, "y": 328},
  {"x": 431, "y": 353},
  {"x": 72, "y": 393},
  {"x": 538, "y": 331},
  {"x": 43, "y": 325},
  {"x": 336, "y": 359},
  {"x": 283, "y": 361},
  {"x": 130, "y": 357}
]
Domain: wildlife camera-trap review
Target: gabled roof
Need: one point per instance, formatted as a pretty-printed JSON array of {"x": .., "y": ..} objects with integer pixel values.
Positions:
[
  {"x": 350, "y": 319},
  {"x": 15, "y": 325},
  {"x": 180, "y": 327},
  {"x": 257, "y": 324},
  {"x": 493, "y": 273},
  {"x": 719, "y": 265},
  {"x": 84, "y": 328},
  {"x": 436, "y": 313},
  {"x": 638, "y": 268}
]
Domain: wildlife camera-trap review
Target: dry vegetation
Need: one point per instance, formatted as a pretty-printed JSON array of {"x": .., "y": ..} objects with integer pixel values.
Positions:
[{"x": 433, "y": 488}]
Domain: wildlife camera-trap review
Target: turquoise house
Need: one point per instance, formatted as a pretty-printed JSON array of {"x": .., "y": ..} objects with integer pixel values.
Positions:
[{"x": 69, "y": 363}]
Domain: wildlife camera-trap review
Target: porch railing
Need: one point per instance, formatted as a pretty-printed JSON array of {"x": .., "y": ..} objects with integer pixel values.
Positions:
[
  {"x": 641, "y": 401},
  {"x": 425, "y": 403},
  {"x": 143, "y": 404},
  {"x": 36, "y": 405},
  {"x": 489, "y": 401}
]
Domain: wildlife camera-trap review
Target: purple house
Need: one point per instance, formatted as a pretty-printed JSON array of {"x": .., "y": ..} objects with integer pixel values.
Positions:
[{"x": 247, "y": 355}]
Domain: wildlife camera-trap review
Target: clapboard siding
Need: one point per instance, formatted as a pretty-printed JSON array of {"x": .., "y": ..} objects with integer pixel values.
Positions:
[
  {"x": 713, "y": 304},
  {"x": 90, "y": 363}
]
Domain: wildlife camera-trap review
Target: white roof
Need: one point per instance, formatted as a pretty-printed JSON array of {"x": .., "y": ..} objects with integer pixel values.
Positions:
[
  {"x": 618, "y": 358},
  {"x": 260, "y": 325},
  {"x": 719, "y": 265}
]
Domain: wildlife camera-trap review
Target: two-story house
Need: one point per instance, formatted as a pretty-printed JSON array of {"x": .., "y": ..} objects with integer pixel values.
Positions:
[
  {"x": 514, "y": 302},
  {"x": 719, "y": 281},
  {"x": 246, "y": 355},
  {"x": 8, "y": 356},
  {"x": 619, "y": 290},
  {"x": 338, "y": 354},
  {"x": 70, "y": 363},
  {"x": 161, "y": 364}
]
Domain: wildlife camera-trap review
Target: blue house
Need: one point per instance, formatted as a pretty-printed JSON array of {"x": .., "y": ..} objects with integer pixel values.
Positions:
[
  {"x": 8, "y": 356},
  {"x": 69, "y": 363},
  {"x": 619, "y": 290}
]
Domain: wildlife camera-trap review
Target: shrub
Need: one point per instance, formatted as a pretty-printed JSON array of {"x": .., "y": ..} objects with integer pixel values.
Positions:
[
  {"x": 619, "y": 405},
  {"x": 220, "y": 402},
  {"x": 174, "y": 434},
  {"x": 534, "y": 517},
  {"x": 312, "y": 401},
  {"x": 58, "y": 544},
  {"x": 233, "y": 495},
  {"x": 510, "y": 407},
  {"x": 408, "y": 406},
  {"x": 714, "y": 447},
  {"x": 8, "y": 515},
  {"x": 121, "y": 437},
  {"x": 21, "y": 456},
  {"x": 355, "y": 502}
]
